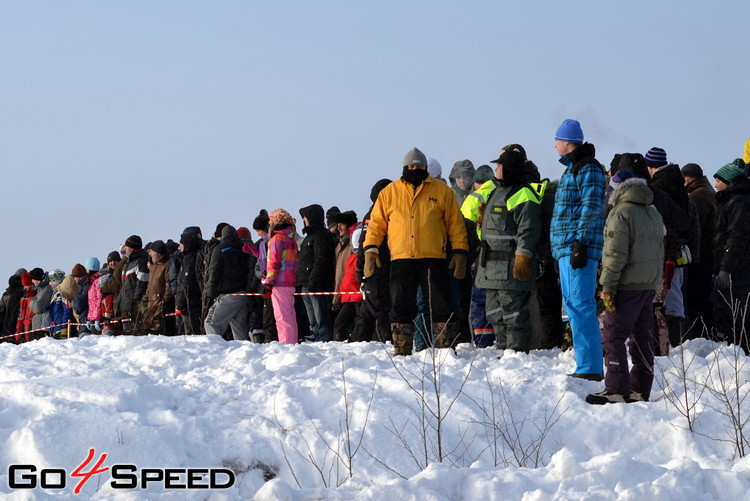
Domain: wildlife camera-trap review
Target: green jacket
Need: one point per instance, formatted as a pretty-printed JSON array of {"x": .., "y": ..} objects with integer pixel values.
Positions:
[
  {"x": 511, "y": 224},
  {"x": 633, "y": 252}
]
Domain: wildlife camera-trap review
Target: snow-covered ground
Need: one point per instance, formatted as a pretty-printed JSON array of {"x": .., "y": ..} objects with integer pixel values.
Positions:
[{"x": 276, "y": 416}]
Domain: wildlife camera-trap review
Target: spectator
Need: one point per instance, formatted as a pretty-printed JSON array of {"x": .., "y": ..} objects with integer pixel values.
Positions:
[
  {"x": 631, "y": 271},
  {"x": 346, "y": 223},
  {"x": 698, "y": 300},
  {"x": 419, "y": 215},
  {"x": 228, "y": 274},
  {"x": 281, "y": 274},
  {"x": 134, "y": 279},
  {"x": 506, "y": 268},
  {"x": 316, "y": 271},
  {"x": 576, "y": 239},
  {"x": 731, "y": 256}
]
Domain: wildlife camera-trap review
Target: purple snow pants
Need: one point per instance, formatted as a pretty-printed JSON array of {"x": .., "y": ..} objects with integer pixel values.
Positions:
[{"x": 633, "y": 321}]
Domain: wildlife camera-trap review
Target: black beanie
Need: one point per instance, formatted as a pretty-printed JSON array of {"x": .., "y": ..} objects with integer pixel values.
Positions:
[
  {"x": 134, "y": 242},
  {"x": 377, "y": 188},
  {"x": 159, "y": 246},
  {"x": 261, "y": 221},
  {"x": 331, "y": 215},
  {"x": 113, "y": 256},
  {"x": 37, "y": 274},
  {"x": 219, "y": 227}
]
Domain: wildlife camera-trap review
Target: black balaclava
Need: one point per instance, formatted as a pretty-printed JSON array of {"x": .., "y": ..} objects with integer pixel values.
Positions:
[{"x": 415, "y": 176}]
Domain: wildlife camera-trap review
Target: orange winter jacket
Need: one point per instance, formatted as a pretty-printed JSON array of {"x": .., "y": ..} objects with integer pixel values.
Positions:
[{"x": 419, "y": 223}]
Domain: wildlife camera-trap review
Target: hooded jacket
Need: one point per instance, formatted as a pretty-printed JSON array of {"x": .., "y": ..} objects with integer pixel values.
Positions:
[
  {"x": 419, "y": 222},
  {"x": 317, "y": 253},
  {"x": 668, "y": 179},
  {"x": 229, "y": 270},
  {"x": 189, "y": 290},
  {"x": 11, "y": 305},
  {"x": 732, "y": 238},
  {"x": 633, "y": 254},
  {"x": 460, "y": 168}
]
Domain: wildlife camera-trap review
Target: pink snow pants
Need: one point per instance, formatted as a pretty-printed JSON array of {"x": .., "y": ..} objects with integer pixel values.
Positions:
[{"x": 283, "y": 310}]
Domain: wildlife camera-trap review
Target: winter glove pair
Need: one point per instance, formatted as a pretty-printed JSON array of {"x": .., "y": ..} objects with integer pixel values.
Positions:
[
  {"x": 458, "y": 265},
  {"x": 723, "y": 280},
  {"x": 608, "y": 298},
  {"x": 93, "y": 326},
  {"x": 372, "y": 261},
  {"x": 522, "y": 268},
  {"x": 579, "y": 256}
]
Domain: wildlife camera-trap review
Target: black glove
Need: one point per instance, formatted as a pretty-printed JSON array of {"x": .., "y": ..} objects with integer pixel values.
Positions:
[{"x": 578, "y": 257}]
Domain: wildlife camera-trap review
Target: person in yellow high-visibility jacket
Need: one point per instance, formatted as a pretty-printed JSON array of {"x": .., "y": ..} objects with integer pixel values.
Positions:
[
  {"x": 472, "y": 209},
  {"x": 420, "y": 217}
]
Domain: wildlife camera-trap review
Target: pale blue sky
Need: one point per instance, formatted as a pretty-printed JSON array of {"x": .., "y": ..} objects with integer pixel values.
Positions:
[{"x": 145, "y": 117}]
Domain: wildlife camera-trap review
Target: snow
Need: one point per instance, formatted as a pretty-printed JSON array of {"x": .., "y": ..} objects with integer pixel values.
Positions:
[{"x": 274, "y": 414}]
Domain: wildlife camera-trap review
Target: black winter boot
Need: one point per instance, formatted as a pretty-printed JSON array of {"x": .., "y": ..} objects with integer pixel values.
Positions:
[{"x": 674, "y": 327}]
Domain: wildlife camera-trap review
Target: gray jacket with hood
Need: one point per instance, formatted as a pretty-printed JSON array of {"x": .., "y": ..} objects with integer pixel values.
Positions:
[{"x": 633, "y": 253}]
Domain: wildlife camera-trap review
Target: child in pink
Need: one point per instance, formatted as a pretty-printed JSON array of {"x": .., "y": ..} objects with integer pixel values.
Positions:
[{"x": 281, "y": 273}]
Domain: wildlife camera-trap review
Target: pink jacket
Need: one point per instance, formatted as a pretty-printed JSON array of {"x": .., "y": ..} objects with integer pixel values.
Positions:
[{"x": 281, "y": 269}]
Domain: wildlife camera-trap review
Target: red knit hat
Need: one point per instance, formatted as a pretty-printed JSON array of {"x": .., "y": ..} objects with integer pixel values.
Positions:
[
  {"x": 244, "y": 233},
  {"x": 26, "y": 279}
]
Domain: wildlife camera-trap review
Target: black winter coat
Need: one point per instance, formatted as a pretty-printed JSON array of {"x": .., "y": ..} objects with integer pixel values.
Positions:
[
  {"x": 317, "y": 258},
  {"x": 189, "y": 289},
  {"x": 669, "y": 180},
  {"x": 11, "y": 304},
  {"x": 230, "y": 269},
  {"x": 204, "y": 261},
  {"x": 732, "y": 237}
]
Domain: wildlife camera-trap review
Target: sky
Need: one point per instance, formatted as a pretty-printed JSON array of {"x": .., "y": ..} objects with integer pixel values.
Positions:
[
  {"x": 278, "y": 415},
  {"x": 141, "y": 117}
]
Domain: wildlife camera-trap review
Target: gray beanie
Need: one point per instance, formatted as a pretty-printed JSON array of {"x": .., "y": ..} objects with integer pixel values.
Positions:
[{"x": 415, "y": 157}]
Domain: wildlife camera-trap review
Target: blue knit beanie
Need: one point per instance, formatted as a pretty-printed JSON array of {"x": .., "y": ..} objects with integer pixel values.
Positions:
[
  {"x": 656, "y": 157},
  {"x": 569, "y": 131},
  {"x": 92, "y": 264}
]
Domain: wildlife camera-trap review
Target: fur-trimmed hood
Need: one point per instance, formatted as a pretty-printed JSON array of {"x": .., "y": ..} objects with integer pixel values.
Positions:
[{"x": 633, "y": 190}]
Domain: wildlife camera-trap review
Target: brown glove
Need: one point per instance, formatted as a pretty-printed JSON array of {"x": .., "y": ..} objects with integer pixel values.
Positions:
[
  {"x": 522, "y": 268},
  {"x": 458, "y": 265},
  {"x": 372, "y": 261},
  {"x": 608, "y": 298}
]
